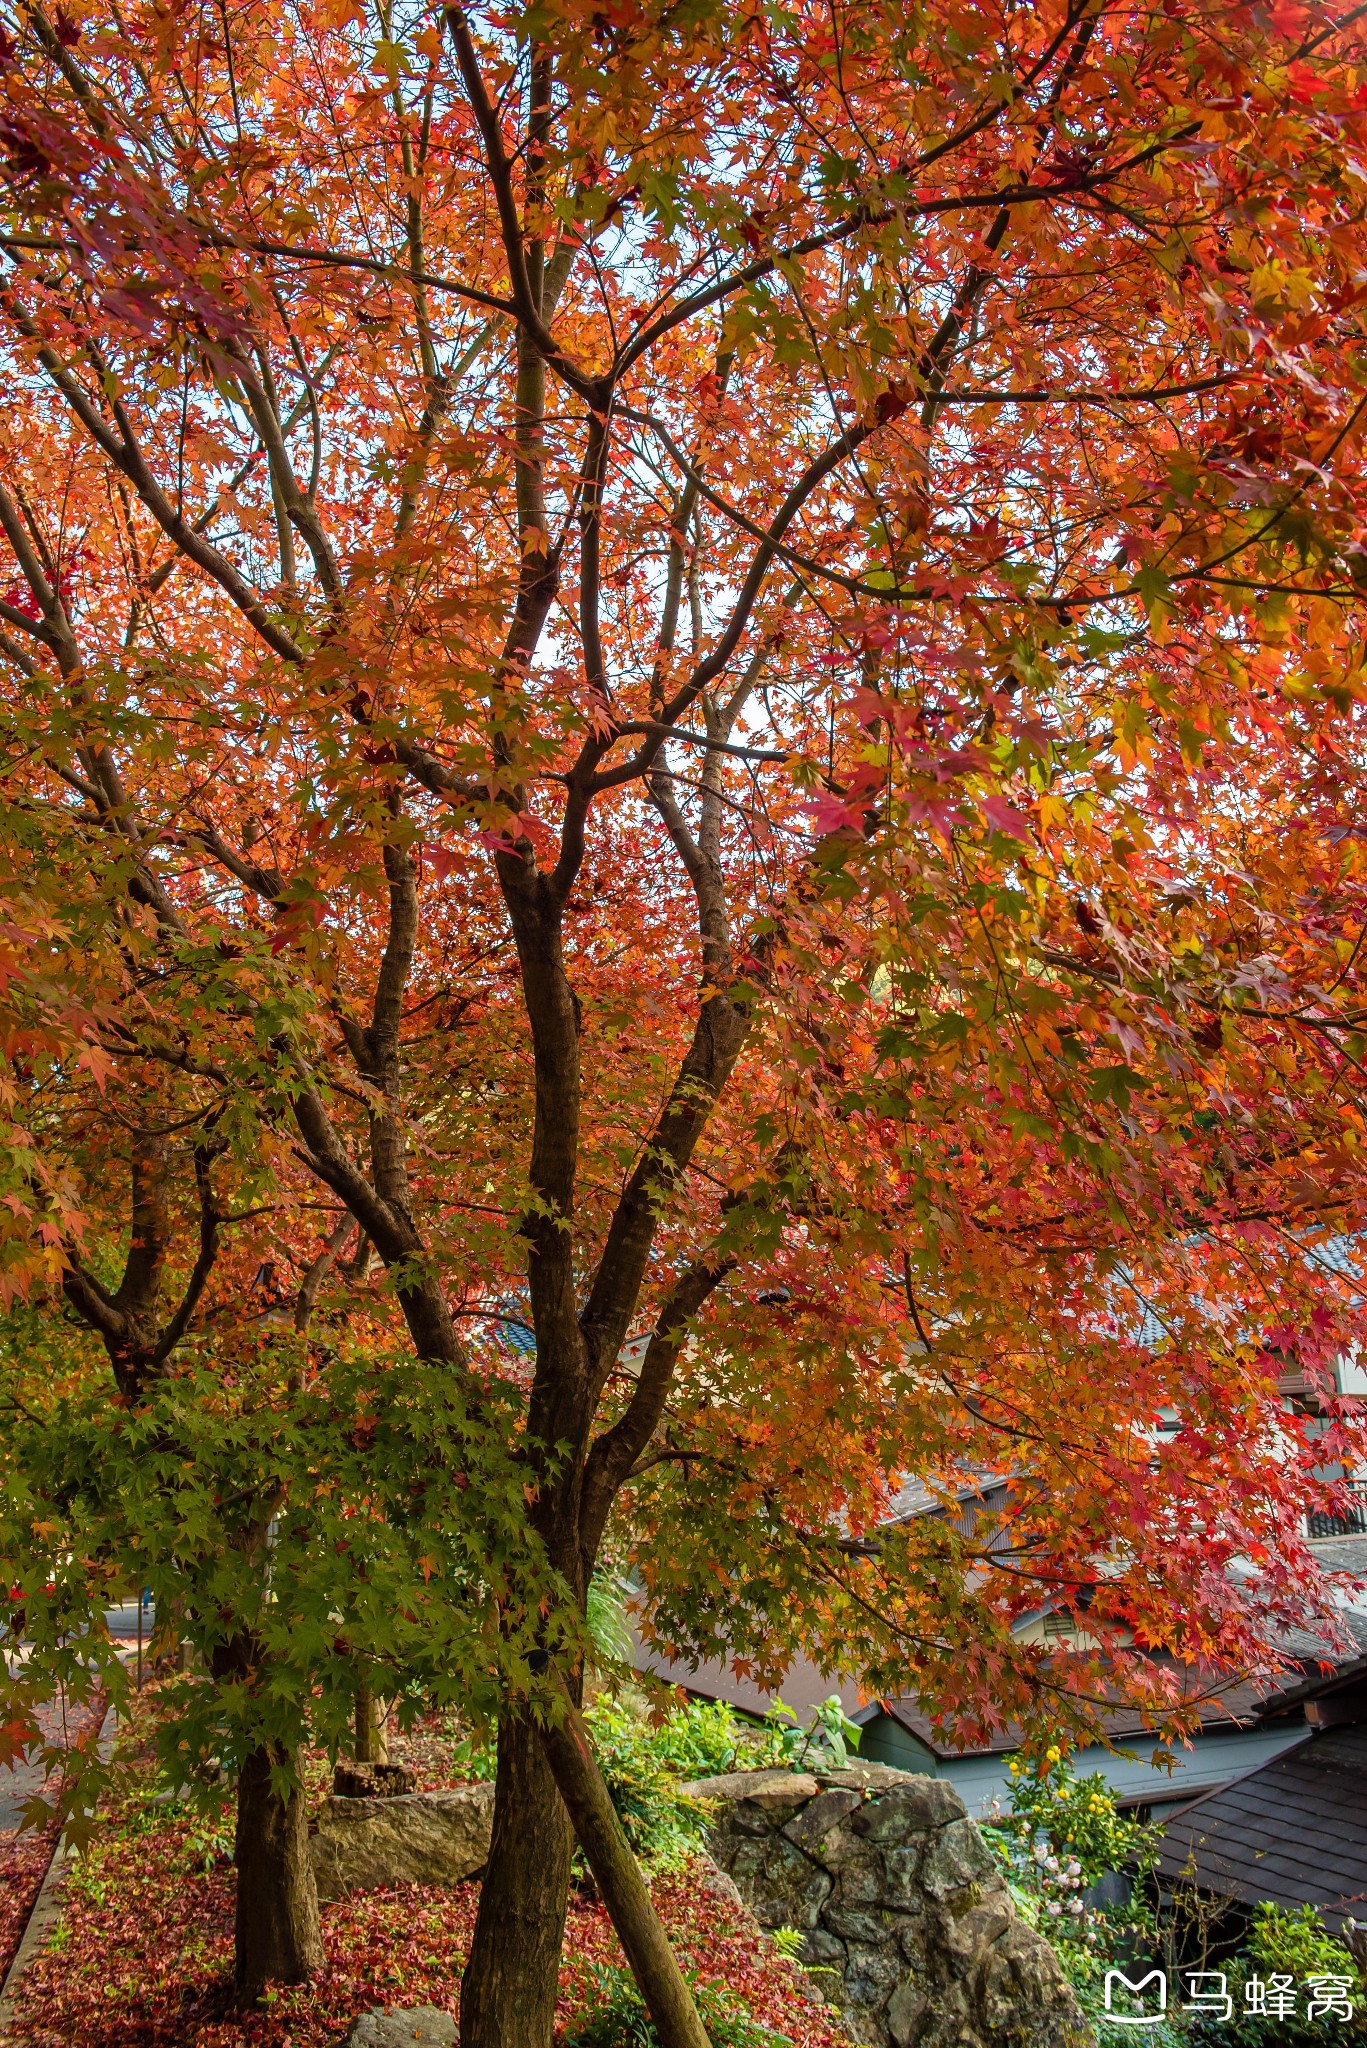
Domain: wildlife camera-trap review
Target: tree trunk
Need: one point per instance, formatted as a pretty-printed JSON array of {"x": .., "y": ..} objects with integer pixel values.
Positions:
[
  {"x": 277, "y": 1936},
  {"x": 507, "y": 1995},
  {"x": 371, "y": 1739},
  {"x": 622, "y": 1883}
]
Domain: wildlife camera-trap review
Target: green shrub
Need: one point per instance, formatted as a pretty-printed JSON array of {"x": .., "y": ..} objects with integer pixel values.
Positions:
[
  {"x": 703, "y": 1739},
  {"x": 1287, "y": 1948},
  {"x": 663, "y": 1826},
  {"x": 643, "y": 1768},
  {"x": 1075, "y": 1821},
  {"x": 644, "y": 1764},
  {"x": 827, "y": 1742},
  {"x": 1061, "y": 1834},
  {"x": 620, "y": 2020}
]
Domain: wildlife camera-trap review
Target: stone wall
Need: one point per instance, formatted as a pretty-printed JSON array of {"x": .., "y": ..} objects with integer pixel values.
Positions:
[{"x": 908, "y": 1926}]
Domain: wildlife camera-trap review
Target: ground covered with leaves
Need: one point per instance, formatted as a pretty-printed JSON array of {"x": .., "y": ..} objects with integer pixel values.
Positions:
[
  {"x": 144, "y": 1949},
  {"x": 25, "y": 1855},
  {"x": 23, "y": 1864}
]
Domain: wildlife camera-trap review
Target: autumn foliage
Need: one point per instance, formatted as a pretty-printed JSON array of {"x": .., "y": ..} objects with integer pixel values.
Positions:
[{"x": 688, "y": 672}]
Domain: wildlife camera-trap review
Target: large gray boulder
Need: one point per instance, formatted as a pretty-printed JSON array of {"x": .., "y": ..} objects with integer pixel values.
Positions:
[
  {"x": 907, "y": 1924},
  {"x": 416, "y": 1838},
  {"x": 423, "y": 2026}
]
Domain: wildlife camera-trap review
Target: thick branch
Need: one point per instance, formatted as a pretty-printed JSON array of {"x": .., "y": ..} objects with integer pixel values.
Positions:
[
  {"x": 523, "y": 289},
  {"x": 618, "y": 1876},
  {"x": 718, "y": 1038},
  {"x": 210, "y": 1219},
  {"x": 615, "y": 1452},
  {"x": 320, "y": 1268}
]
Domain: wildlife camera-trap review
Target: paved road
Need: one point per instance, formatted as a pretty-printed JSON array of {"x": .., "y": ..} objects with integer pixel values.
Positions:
[
  {"x": 19, "y": 1782},
  {"x": 122, "y": 1621}
]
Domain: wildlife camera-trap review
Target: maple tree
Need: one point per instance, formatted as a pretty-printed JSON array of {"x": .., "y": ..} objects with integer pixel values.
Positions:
[{"x": 702, "y": 668}]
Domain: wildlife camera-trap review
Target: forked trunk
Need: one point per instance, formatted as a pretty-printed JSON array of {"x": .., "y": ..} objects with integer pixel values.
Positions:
[
  {"x": 622, "y": 1882},
  {"x": 507, "y": 1995},
  {"x": 277, "y": 1936}
]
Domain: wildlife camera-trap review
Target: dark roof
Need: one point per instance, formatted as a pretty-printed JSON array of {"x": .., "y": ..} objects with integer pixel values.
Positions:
[
  {"x": 1294, "y": 1832},
  {"x": 1221, "y": 1701},
  {"x": 1342, "y": 1553},
  {"x": 1320, "y": 1685},
  {"x": 804, "y": 1687},
  {"x": 1305, "y": 1646}
]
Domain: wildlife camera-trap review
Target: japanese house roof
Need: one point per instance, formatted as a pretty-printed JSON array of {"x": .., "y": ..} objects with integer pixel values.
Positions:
[
  {"x": 1221, "y": 1701},
  {"x": 1293, "y": 1832}
]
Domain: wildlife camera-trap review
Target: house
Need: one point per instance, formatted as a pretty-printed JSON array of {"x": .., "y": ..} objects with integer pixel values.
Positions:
[
  {"x": 1144, "y": 1772},
  {"x": 1293, "y": 1830},
  {"x": 1243, "y": 1726},
  {"x": 1234, "y": 1736}
]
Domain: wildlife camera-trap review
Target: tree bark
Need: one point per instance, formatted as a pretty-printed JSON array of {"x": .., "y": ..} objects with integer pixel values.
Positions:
[
  {"x": 277, "y": 1936},
  {"x": 507, "y": 1995},
  {"x": 371, "y": 1739},
  {"x": 620, "y": 1879}
]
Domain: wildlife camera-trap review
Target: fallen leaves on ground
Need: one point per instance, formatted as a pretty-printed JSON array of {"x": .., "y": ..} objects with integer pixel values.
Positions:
[
  {"x": 23, "y": 1864},
  {"x": 144, "y": 1950},
  {"x": 25, "y": 1855}
]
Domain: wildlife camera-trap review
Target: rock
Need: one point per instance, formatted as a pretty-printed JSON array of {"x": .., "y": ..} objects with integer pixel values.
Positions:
[
  {"x": 913, "y": 1803},
  {"x": 841, "y": 1846},
  {"x": 414, "y": 1838},
  {"x": 709, "y": 1878},
  {"x": 905, "y": 2015},
  {"x": 1025, "y": 1995},
  {"x": 862, "y": 1777},
  {"x": 795, "y": 1888},
  {"x": 913, "y": 1940},
  {"x": 902, "y": 1872},
  {"x": 974, "y": 1932},
  {"x": 872, "y": 1973},
  {"x": 769, "y": 1790},
  {"x": 422, "y": 2026},
  {"x": 907, "y": 1925},
  {"x": 819, "y": 1816},
  {"x": 958, "y": 1857},
  {"x": 870, "y": 1925},
  {"x": 823, "y": 1948},
  {"x": 372, "y": 1781},
  {"x": 858, "y": 1880}
]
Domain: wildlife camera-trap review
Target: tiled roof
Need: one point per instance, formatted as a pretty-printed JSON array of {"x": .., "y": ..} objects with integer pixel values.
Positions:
[
  {"x": 1220, "y": 1702},
  {"x": 1343, "y": 1256},
  {"x": 1342, "y": 1553},
  {"x": 1293, "y": 1832},
  {"x": 914, "y": 1498}
]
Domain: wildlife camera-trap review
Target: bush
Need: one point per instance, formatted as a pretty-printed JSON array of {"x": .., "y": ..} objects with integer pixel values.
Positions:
[
  {"x": 663, "y": 1826},
  {"x": 644, "y": 1764},
  {"x": 1287, "y": 1948},
  {"x": 702, "y": 1739},
  {"x": 620, "y": 2019},
  {"x": 1060, "y": 1836},
  {"x": 643, "y": 1767},
  {"x": 826, "y": 1744}
]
